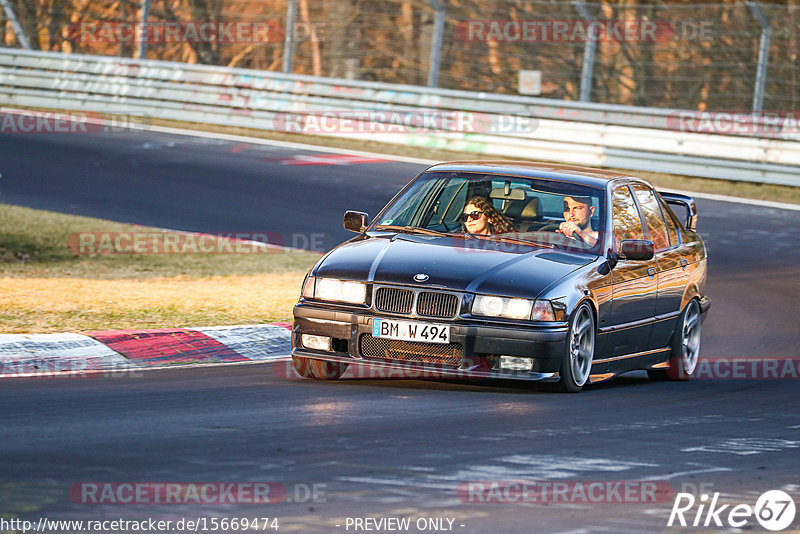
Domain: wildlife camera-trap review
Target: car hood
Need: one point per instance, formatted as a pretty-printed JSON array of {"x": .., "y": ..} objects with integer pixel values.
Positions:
[{"x": 474, "y": 265}]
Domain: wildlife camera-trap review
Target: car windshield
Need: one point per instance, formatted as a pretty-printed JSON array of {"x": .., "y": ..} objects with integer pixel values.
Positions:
[{"x": 504, "y": 208}]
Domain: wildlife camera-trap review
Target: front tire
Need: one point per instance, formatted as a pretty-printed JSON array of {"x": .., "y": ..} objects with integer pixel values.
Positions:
[
  {"x": 318, "y": 369},
  {"x": 577, "y": 363},
  {"x": 685, "y": 347}
]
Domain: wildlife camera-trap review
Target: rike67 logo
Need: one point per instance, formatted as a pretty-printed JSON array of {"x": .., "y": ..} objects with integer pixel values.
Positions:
[{"x": 774, "y": 510}]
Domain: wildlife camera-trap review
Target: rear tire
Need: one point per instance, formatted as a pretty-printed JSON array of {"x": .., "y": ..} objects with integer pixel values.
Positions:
[
  {"x": 577, "y": 363},
  {"x": 318, "y": 369},
  {"x": 685, "y": 347}
]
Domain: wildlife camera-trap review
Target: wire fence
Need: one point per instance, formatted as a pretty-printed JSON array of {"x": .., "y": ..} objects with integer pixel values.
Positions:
[{"x": 724, "y": 56}]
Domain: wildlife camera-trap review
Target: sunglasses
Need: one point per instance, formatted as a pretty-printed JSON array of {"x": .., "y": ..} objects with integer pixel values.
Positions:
[{"x": 471, "y": 216}]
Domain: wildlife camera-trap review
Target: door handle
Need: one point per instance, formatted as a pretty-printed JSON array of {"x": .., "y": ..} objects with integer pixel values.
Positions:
[
  {"x": 651, "y": 272},
  {"x": 684, "y": 263}
]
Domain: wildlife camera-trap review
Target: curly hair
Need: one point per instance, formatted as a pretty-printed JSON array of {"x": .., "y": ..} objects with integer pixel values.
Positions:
[{"x": 498, "y": 224}]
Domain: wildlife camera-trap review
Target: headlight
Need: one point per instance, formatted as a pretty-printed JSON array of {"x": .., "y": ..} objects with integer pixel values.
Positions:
[
  {"x": 489, "y": 306},
  {"x": 518, "y": 308},
  {"x": 308, "y": 288},
  {"x": 336, "y": 290},
  {"x": 501, "y": 307},
  {"x": 522, "y": 309}
]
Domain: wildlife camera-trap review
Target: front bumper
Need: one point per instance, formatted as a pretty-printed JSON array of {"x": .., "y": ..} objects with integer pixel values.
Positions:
[
  {"x": 482, "y": 345},
  {"x": 705, "y": 305}
]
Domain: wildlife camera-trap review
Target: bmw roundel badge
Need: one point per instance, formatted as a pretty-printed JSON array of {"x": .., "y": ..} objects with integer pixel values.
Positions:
[{"x": 421, "y": 277}]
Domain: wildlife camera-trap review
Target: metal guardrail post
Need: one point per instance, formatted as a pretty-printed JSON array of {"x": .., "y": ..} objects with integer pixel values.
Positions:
[
  {"x": 763, "y": 55},
  {"x": 587, "y": 69},
  {"x": 288, "y": 42},
  {"x": 21, "y": 37},
  {"x": 436, "y": 43},
  {"x": 142, "y": 33}
]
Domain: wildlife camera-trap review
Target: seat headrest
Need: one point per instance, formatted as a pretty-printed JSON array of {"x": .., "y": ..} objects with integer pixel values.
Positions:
[
  {"x": 523, "y": 209},
  {"x": 531, "y": 210}
]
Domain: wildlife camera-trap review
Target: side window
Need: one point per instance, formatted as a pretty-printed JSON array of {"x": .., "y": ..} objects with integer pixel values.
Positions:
[
  {"x": 453, "y": 202},
  {"x": 672, "y": 228},
  {"x": 449, "y": 205},
  {"x": 656, "y": 227},
  {"x": 627, "y": 224}
]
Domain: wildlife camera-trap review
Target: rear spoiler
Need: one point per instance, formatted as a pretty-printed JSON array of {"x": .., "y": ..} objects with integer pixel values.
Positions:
[{"x": 687, "y": 203}]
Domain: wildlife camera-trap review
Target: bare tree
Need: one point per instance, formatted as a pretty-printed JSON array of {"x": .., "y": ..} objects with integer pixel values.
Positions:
[
  {"x": 208, "y": 52},
  {"x": 28, "y": 15},
  {"x": 313, "y": 41},
  {"x": 342, "y": 46}
]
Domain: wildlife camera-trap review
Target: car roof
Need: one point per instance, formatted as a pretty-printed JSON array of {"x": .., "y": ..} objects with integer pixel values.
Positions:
[{"x": 534, "y": 169}]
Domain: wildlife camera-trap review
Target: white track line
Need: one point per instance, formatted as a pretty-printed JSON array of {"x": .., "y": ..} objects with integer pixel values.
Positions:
[
  {"x": 420, "y": 161},
  {"x": 283, "y": 144},
  {"x": 739, "y": 200},
  {"x": 131, "y": 370},
  {"x": 403, "y": 159}
]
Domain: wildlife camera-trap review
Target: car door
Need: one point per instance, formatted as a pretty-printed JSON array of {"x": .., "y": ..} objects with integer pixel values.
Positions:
[
  {"x": 672, "y": 275},
  {"x": 634, "y": 283}
]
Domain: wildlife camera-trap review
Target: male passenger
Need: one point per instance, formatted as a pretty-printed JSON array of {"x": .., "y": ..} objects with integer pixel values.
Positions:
[{"x": 577, "y": 223}]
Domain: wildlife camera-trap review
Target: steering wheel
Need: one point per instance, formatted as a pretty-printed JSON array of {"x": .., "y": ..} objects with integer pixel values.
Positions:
[{"x": 551, "y": 227}]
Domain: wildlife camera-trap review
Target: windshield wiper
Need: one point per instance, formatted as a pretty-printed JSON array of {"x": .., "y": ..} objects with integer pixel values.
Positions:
[
  {"x": 523, "y": 241},
  {"x": 412, "y": 230}
]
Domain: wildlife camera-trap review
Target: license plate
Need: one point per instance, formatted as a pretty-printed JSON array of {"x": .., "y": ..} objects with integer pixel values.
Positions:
[{"x": 411, "y": 331}]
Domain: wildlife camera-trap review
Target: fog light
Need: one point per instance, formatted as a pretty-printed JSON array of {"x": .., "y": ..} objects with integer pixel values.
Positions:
[
  {"x": 316, "y": 342},
  {"x": 512, "y": 363}
]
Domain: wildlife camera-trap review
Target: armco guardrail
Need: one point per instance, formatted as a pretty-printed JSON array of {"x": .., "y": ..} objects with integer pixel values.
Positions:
[{"x": 570, "y": 132}]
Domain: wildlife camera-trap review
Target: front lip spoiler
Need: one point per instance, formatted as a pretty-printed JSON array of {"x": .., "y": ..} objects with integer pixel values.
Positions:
[{"x": 414, "y": 370}]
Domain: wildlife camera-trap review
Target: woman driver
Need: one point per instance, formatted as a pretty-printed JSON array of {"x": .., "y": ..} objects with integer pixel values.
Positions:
[{"x": 481, "y": 218}]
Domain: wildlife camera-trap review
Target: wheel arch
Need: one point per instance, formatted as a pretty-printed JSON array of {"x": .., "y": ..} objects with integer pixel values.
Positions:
[
  {"x": 691, "y": 292},
  {"x": 589, "y": 298}
]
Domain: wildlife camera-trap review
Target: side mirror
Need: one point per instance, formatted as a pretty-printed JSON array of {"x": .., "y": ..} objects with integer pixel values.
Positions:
[
  {"x": 356, "y": 221},
  {"x": 636, "y": 249},
  {"x": 685, "y": 202}
]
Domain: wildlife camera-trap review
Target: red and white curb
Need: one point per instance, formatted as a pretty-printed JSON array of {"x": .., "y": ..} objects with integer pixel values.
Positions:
[
  {"x": 96, "y": 353},
  {"x": 32, "y": 355}
]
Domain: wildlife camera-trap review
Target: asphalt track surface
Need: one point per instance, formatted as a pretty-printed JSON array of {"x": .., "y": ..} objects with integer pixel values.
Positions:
[{"x": 380, "y": 448}]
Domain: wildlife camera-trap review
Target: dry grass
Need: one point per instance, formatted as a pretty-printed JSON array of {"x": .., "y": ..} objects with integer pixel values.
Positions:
[
  {"x": 33, "y": 243},
  {"x": 45, "y": 287},
  {"x": 80, "y": 304}
]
